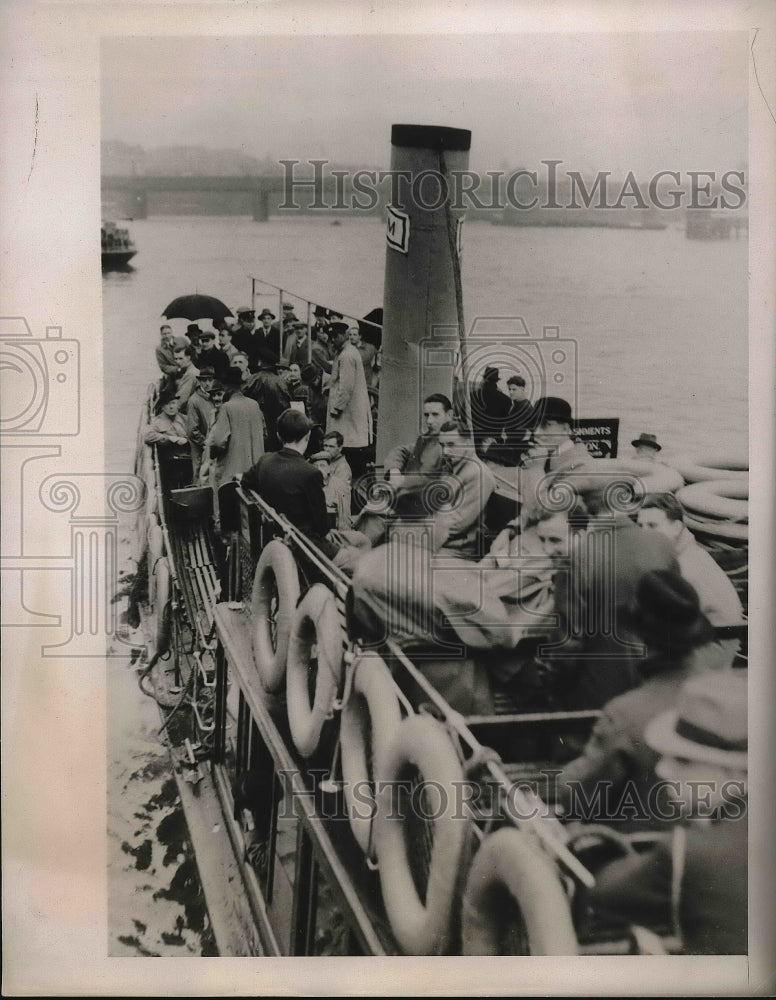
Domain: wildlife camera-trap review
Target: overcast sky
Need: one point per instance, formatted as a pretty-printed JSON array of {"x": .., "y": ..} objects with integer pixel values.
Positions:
[{"x": 644, "y": 102}]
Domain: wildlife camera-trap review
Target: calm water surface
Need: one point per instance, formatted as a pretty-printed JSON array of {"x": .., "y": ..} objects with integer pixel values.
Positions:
[{"x": 660, "y": 326}]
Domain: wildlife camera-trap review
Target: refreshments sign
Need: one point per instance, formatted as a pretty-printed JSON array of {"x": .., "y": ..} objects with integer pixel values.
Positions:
[{"x": 599, "y": 436}]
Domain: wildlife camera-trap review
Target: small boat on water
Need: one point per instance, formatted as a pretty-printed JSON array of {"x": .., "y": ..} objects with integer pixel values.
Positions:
[
  {"x": 117, "y": 246},
  {"x": 337, "y": 802}
]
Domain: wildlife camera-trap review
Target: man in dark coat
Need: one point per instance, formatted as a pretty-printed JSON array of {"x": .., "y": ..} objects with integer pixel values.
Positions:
[
  {"x": 489, "y": 409},
  {"x": 596, "y": 653},
  {"x": 271, "y": 391},
  {"x": 290, "y": 484},
  {"x": 209, "y": 355},
  {"x": 613, "y": 779},
  {"x": 698, "y": 882}
]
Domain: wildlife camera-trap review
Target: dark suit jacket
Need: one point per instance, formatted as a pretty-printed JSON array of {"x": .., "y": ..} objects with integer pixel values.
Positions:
[
  {"x": 598, "y": 653},
  {"x": 713, "y": 897},
  {"x": 287, "y": 482}
]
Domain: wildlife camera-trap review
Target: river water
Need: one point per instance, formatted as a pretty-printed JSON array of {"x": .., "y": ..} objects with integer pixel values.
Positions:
[{"x": 659, "y": 327}]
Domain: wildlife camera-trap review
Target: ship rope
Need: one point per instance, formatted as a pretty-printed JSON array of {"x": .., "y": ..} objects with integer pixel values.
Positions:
[{"x": 452, "y": 243}]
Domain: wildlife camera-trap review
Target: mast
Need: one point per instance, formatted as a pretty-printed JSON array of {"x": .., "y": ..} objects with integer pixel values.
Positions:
[{"x": 422, "y": 305}]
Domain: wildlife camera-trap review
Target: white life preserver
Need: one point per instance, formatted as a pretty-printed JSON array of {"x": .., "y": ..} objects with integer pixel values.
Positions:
[
  {"x": 273, "y": 599},
  {"x": 316, "y": 633},
  {"x": 726, "y": 531},
  {"x": 161, "y": 605},
  {"x": 509, "y": 865},
  {"x": 140, "y": 537},
  {"x": 421, "y": 927},
  {"x": 724, "y": 499},
  {"x": 712, "y": 468},
  {"x": 654, "y": 476},
  {"x": 152, "y": 501},
  {"x": 369, "y": 722},
  {"x": 155, "y": 553}
]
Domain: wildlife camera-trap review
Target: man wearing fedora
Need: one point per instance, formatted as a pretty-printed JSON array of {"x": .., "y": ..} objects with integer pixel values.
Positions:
[
  {"x": 614, "y": 777},
  {"x": 237, "y": 440},
  {"x": 261, "y": 345},
  {"x": 489, "y": 410},
  {"x": 696, "y": 883},
  {"x": 555, "y": 450},
  {"x": 646, "y": 447}
]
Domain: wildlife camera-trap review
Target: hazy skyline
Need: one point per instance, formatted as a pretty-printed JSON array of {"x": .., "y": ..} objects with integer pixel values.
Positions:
[{"x": 643, "y": 101}]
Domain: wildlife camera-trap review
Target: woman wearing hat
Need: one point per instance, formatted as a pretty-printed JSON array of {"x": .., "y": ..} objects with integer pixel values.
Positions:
[
  {"x": 666, "y": 616},
  {"x": 697, "y": 883}
]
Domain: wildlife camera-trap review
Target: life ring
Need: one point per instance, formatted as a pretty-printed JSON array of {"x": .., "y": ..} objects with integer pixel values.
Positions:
[
  {"x": 315, "y": 631},
  {"x": 727, "y": 531},
  {"x": 152, "y": 501},
  {"x": 140, "y": 537},
  {"x": 147, "y": 466},
  {"x": 161, "y": 605},
  {"x": 155, "y": 553},
  {"x": 713, "y": 468},
  {"x": 509, "y": 865},
  {"x": 273, "y": 600},
  {"x": 655, "y": 477},
  {"x": 421, "y": 926},
  {"x": 725, "y": 499},
  {"x": 370, "y": 719}
]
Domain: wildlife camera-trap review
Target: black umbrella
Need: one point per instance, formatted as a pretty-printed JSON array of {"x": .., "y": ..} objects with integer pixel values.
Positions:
[{"x": 194, "y": 307}]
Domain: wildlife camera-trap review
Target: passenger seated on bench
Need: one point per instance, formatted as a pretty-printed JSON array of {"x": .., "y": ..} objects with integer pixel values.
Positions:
[
  {"x": 529, "y": 681},
  {"x": 168, "y": 427},
  {"x": 597, "y": 658},
  {"x": 697, "y": 883},
  {"x": 614, "y": 779},
  {"x": 409, "y": 468}
]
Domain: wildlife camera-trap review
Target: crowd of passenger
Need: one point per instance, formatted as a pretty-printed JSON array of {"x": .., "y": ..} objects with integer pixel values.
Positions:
[{"x": 562, "y": 604}]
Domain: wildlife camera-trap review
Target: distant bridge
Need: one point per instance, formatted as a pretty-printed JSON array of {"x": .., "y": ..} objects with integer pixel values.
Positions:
[{"x": 258, "y": 196}]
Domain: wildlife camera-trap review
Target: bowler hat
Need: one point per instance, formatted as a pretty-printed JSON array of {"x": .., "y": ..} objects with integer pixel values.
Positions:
[
  {"x": 708, "y": 723},
  {"x": 167, "y": 395},
  {"x": 193, "y": 330},
  {"x": 551, "y": 408},
  {"x": 650, "y": 440},
  {"x": 266, "y": 312},
  {"x": 666, "y": 612},
  {"x": 232, "y": 377}
]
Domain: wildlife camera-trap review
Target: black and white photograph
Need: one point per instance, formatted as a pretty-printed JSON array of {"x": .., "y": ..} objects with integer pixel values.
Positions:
[{"x": 377, "y": 582}]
